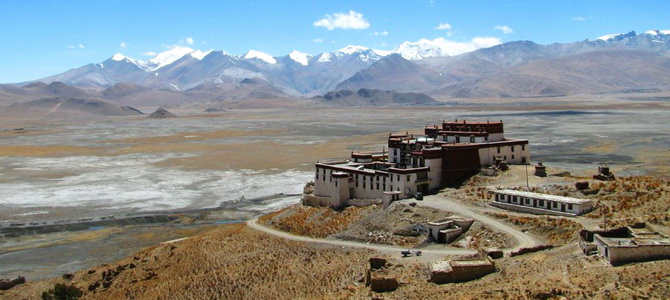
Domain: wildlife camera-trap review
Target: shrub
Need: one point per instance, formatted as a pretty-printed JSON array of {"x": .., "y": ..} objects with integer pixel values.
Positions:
[{"x": 62, "y": 292}]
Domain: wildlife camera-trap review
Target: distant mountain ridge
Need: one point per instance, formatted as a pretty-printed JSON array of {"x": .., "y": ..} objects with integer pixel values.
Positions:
[{"x": 611, "y": 63}]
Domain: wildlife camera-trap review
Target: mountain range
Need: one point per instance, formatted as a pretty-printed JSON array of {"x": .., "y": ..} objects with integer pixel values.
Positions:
[{"x": 627, "y": 62}]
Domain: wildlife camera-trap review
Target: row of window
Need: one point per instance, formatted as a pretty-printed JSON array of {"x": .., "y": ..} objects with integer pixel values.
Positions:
[
  {"x": 523, "y": 148},
  {"x": 372, "y": 178},
  {"x": 529, "y": 201}
]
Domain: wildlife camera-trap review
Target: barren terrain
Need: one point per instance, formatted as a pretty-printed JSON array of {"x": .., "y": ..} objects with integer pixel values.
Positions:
[{"x": 53, "y": 170}]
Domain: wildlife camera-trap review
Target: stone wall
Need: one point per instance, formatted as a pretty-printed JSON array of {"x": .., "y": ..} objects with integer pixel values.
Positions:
[
  {"x": 627, "y": 254},
  {"x": 315, "y": 201}
]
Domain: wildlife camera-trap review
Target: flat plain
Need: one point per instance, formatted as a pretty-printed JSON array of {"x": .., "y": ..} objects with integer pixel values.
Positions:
[{"x": 62, "y": 169}]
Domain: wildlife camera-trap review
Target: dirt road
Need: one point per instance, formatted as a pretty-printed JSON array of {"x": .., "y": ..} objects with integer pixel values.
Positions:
[
  {"x": 435, "y": 201},
  {"x": 444, "y": 203}
]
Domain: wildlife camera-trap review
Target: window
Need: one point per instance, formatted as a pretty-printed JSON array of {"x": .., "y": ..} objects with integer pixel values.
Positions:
[
  {"x": 570, "y": 206},
  {"x": 356, "y": 183},
  {"x": 472, "y": 139},
  {"x": 377, "y": 185},
  {"x": 408, "y": 176},
  {"x": 512, "y": 156},
  {"x": 523, "y": 147},
  {"x": 512, "y": 148},
  {"x": 317, "y": 175},
  {"x": 555, "y": 204},
  {"x": 335, "y": 182},
  {"x": 541, "y": 202},
  {"x": 398, "y": 177},
  {"x": 498, "y": 149},
  {"x": 527, "y": 201}
]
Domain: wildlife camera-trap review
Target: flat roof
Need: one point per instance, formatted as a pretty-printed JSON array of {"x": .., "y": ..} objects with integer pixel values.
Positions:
[{"x": 544, "y": 196}]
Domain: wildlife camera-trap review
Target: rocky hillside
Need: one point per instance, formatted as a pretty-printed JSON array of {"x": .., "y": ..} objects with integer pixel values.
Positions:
[{"x": 369, "y": 97}]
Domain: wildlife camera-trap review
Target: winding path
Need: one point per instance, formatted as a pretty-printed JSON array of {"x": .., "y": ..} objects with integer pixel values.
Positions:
[
  {"x": 435, "y": 201},
  {"x": 443, "y": 203}
]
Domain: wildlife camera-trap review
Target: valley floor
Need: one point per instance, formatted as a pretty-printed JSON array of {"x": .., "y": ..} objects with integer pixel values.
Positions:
[{"x": 59, "y": 170}]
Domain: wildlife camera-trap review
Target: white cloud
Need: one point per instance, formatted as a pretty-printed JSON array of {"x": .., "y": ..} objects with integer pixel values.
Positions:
[
  {"x": 317, "y": 40},
  {"x": 149, "y": 53},
  {"x": 380, "y": 33},
  {"x": 81, "y": 46},
  {"x": 504, "y": 28},
  {"x": 123, "y": 45},
  {"x": 71, "y": 47},
  {"x": 189, "y": 40},
  {"x": 443, "y": 26},
  {"x": 578, "y": 18},
  {"x": 352, "y": 20}
]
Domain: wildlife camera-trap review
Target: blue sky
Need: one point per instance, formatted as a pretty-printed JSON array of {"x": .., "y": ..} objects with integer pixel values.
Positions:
[{"x": 42, "y": 38}]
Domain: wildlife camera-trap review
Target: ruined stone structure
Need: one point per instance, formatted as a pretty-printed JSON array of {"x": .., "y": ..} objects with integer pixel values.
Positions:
[
  {"x": 449, "y": 229},
  {"x": 442, "y": 156},
  {"x": 636, "y": 243},
  {"x": 540, "y": 203},
  {"x": 460, "y": 271}
]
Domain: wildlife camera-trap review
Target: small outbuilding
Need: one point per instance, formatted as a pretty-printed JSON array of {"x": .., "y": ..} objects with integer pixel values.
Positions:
[
  {"x": 636, "y": 243},
  {"x": 449, "y": 229},
  {"x": 537, "y": 203}
]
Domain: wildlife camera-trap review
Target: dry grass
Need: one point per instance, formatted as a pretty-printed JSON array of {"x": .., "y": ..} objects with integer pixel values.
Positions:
[
  {"x": 556, "y": 230},
  {"x": 633, "y": 199},
  {"x": 317, "y": 222}
]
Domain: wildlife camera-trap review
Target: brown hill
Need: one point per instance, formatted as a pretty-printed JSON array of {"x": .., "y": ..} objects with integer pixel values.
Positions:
[
  {"x": 161, "y": 114},
  {"x": 66, "y": 108},
  {"x": 231, "y": 262}
]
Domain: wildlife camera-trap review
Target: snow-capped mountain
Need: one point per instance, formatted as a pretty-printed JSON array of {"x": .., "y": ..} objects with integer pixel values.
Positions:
[
  {"x": 421, "y": 49},
  {"x": 180, "y": 69},
  {"x": 655, "y": 34},
  {"x": 260, "y": 55},
  {"x": 167, "y": 57},
  {"x": 299, "y": 57}
]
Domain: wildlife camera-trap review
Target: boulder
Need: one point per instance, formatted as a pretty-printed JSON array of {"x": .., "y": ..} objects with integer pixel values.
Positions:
[
  {"x": 581, "y": 185},
  {"x": 377, "y": 262},
  {"x": 383, "y": 284}
]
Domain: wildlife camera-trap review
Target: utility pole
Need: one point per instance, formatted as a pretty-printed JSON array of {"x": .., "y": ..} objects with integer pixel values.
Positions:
[{"x": 527, "y": 185}]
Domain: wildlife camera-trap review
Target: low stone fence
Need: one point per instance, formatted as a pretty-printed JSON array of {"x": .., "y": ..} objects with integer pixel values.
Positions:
[
  {"x": 315, "y": 201},
  {"x": 531, "y": 250},
  {"x": 364, "y": 202}
]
